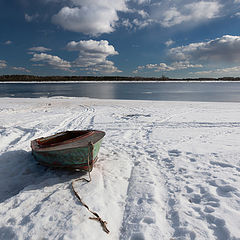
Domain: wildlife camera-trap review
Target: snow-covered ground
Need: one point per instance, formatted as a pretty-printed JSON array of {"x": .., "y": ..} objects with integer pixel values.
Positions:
[{"x": 166, "y": 170}]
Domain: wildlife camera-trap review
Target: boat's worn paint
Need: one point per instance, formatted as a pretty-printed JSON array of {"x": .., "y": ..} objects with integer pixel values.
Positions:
[{"x": 60, "y": 150}]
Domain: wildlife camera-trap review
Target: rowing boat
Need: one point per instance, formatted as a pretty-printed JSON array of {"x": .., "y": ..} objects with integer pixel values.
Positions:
[{"x": 70, "y": 149}]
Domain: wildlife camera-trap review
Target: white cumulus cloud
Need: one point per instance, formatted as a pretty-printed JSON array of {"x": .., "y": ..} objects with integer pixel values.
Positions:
[
  {"x": 30, "y": 18},
  {"x": 169, "y": 42},
  {"x": 143, "y": 13},
  {"x": 51, "y": 60},
  {"x": 164, "y": 67},
  {"x": 95, "y": 17},
  {"x": 3, "y": 64},
  {"x": 39, "y": 49},
  {"x": 21, "y": 69},
  {"x": 91, "y": 17},
  {"x": 193, "y": 12},
  {"x": 8, "y": 42},
  {"x": 225, "y": 48},
  {"x": 142, "y": 1},
  {"x": 93, "y": 55},
  {"x": 237, "y": 14},
  {"x": 219, "y": 72}
]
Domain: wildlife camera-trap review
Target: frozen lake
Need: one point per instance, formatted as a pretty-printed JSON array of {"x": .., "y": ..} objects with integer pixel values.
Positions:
[{"x": 164, "y": 91}]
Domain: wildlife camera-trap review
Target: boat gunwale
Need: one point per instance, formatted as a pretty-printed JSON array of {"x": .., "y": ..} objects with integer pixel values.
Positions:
[
  {"x": 70, "y": 140},
  {"x": 65, "y": 145}
]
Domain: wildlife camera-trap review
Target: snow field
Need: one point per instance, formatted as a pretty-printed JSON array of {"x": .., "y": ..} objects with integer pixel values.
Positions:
[{"x": 166, "y": 170}]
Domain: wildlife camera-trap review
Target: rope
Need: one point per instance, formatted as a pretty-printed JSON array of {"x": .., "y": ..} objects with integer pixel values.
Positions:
[{"x": 96, "y": 218}]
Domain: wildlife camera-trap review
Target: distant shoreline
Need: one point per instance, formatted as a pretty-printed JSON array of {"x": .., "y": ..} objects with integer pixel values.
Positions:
[{"x": 33, "y": 78}]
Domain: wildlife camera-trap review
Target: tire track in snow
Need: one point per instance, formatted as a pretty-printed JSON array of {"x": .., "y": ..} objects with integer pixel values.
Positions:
[
  {"x": 140, "y": 215},
  {"x": 12, "y": 137},
  {"x": 154, "y": 168},
  {"x": 86, "y": 115},
  {"x": 139, "y": 218},
  {"x": 74, "y": 121},
  {"x": 142, "y": 218},
  {"x": 174, "y": 183}
]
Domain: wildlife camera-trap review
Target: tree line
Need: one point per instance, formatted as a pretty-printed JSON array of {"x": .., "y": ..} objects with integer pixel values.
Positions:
[{"x": 33, "y": 78}]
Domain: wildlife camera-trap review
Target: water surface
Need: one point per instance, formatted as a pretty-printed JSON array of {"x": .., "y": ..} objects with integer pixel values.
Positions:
[{"x": 164, "y": 91}]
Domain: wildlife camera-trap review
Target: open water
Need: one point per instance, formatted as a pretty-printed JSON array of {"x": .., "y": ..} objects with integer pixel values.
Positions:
[{"x": 163, "y": 91}]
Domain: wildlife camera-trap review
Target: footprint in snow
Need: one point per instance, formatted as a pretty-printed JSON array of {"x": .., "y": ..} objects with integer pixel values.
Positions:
[
  {"x": 137, "y": 236},
  {"x": 222, "y": 188},
  {"x": 205, "y": 197},
  {"x": 225, "y": 191},
  {"x": 218, "y": 226},
  {"x": 148, "y": 220},
  {"x": 224, "y": 165},
  {"x": 189, "y": 189},
  {"x": 192, "y": 159},
  {"x": 174, "y": 153},
  {"x": 148, "y": 198},
  {"x": 209, "y": 209}
]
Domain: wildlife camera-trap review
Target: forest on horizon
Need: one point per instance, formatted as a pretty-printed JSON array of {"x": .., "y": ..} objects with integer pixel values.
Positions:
[{"x": 33, "y": 78}]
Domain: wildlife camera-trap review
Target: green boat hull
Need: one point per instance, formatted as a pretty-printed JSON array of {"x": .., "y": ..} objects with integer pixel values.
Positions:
[{"x": 75, "y": 157}]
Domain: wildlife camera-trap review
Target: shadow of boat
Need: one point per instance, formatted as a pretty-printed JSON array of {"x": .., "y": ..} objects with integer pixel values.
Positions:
[{"x": 19, "y": 170}]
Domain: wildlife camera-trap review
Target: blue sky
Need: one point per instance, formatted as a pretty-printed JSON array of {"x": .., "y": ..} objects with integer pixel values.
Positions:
[{"x": 177, "y": 38}]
